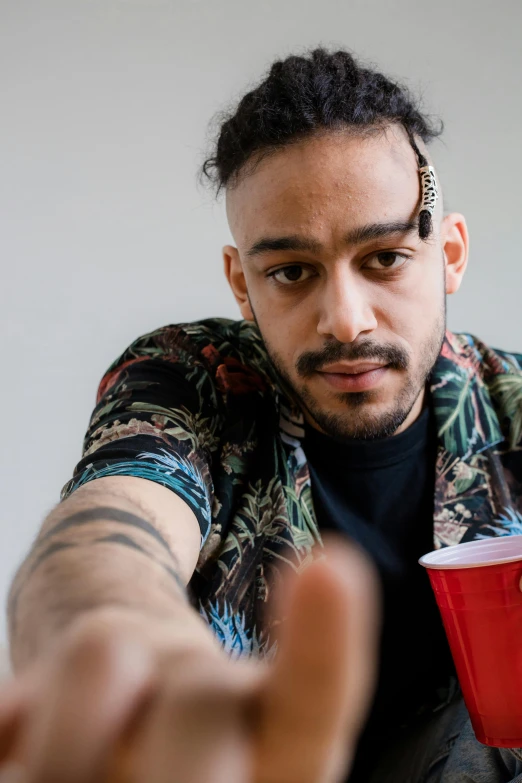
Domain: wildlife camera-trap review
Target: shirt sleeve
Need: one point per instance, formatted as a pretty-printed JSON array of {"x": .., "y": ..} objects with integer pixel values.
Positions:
[{"x": 156, "y": 418}]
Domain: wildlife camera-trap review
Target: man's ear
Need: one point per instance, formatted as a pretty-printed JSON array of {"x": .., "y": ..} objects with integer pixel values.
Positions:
[
  {"x": 455, "y": 245},
  {"x": 236, "y": 280}
]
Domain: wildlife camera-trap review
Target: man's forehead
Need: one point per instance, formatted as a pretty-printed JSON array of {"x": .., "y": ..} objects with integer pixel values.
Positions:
[{"x": 370, "y": 178}]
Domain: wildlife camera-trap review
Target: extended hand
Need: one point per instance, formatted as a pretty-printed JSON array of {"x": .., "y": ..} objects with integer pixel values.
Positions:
[{"x": 118, "y": 703}]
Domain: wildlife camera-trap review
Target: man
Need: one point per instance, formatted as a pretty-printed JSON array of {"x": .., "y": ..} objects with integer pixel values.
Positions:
[{"x": 220, "y": 452}]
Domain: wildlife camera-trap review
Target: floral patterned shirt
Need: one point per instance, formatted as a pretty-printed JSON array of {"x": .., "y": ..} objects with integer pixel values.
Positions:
[{"x": 198, "y": 408}]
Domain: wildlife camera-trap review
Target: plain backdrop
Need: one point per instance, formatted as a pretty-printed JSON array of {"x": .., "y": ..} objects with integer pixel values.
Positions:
[{"x": 104, "y": 231}]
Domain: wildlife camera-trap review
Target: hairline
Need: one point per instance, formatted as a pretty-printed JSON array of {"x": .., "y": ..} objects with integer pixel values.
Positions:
[{"x": 252, "y": 163}]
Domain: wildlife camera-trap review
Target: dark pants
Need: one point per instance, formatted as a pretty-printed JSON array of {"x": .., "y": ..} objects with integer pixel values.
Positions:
[{"x": 442, "y": 748}]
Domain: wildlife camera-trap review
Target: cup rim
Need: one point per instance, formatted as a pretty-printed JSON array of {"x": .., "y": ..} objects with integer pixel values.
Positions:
[{"x": 449, "y": 557}]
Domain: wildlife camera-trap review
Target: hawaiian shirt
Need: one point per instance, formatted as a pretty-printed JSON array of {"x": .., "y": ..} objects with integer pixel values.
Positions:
[{"x": 198, "y": 408}]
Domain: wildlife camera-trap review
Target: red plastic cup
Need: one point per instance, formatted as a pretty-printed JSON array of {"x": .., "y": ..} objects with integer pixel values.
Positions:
[{"x": 478, "y": 587}]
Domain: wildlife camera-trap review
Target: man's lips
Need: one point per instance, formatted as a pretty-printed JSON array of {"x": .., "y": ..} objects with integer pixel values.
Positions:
[
  {"x": 354, "y": 377},
  {"x": 352, "y": 368}
]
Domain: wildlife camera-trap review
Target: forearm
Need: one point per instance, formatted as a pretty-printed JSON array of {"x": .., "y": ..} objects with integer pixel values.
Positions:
[{"x": 94, "y": 554}]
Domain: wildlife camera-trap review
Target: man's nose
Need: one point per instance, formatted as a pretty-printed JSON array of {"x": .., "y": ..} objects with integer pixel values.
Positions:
[{"x": 345, "y": 311}]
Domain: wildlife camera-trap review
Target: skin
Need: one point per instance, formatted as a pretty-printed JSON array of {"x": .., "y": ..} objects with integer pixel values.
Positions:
[{"x": 360, "y": 300}]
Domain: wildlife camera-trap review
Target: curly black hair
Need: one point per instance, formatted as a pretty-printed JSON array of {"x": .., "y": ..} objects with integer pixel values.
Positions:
[{"x": 304, "y": 95}]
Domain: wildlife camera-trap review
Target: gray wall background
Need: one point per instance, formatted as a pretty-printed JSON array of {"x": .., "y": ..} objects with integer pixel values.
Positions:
[{"x": 104, "y": 233}]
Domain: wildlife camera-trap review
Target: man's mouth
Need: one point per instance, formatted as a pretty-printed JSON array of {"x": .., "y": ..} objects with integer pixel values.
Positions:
[{"x": 353, "y": 376}]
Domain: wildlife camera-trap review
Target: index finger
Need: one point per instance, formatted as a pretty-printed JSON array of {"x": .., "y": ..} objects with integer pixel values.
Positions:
[{"x": 94, "y": 689}]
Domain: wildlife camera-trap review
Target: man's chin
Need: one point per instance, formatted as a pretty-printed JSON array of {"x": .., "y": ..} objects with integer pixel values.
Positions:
[
  {"x": 358, "y": 415},
  {"x": 342, "y": 406},
  {"x": 360, "y": 426}
]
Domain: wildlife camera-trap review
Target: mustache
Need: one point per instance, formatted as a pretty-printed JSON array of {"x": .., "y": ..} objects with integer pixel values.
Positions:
[{"x": 313, "y": 361}]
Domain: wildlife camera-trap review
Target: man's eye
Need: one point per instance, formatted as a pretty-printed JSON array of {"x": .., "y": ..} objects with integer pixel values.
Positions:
[
  {"x": 386, "y": 260},
  {"x": 291, "y": 274}
]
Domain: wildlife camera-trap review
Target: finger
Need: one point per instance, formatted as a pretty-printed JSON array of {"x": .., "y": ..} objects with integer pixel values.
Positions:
[
  {"x": 196, "y": 732},
  {"x": 96, "y": 684},
  {"x": 16, "y": 696},
  {"x": 316, "y": 699}
]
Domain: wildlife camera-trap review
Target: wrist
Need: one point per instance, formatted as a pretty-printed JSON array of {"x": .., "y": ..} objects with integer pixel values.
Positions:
[{"x": 163, "y": 631}]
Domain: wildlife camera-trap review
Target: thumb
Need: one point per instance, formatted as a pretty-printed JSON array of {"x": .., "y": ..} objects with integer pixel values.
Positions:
[
  {"x": 318, "y": 693},
  {"x": 16, "y": 697}
]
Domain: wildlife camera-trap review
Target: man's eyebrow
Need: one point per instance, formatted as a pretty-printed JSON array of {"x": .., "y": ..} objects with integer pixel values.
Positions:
[
  {"x": 355, "y": 237},
  {"x": 273, "y": 244},
  {"x": 379, "y": 231}
]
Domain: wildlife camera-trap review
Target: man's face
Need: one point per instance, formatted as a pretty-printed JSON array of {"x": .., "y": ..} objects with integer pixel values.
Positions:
[{"x": 349, "y": 301}]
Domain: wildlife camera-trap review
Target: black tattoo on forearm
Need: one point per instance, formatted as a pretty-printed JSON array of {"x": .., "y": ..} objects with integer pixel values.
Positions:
[
  {"x": 121, "y": 538},
  {"x": 22, "y": 577},
  {"x": 51, "y": 549},
  {"x": 108, "y": 514},
  {"x": 80, "y": 518}
]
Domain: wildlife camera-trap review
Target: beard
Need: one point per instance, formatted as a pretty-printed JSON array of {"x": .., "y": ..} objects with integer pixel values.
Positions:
[{"x": 358, "y": 420}]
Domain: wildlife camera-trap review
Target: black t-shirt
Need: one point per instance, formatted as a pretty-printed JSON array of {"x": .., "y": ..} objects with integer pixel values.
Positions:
[{"x": 380, "y": 494}]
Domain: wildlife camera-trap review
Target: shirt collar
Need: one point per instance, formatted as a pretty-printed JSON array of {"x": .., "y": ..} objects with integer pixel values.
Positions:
[{"x": 466, "y": 420}]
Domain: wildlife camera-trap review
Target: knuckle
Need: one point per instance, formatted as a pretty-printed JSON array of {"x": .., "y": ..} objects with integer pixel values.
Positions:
[{"x": 89, "y": 644}]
